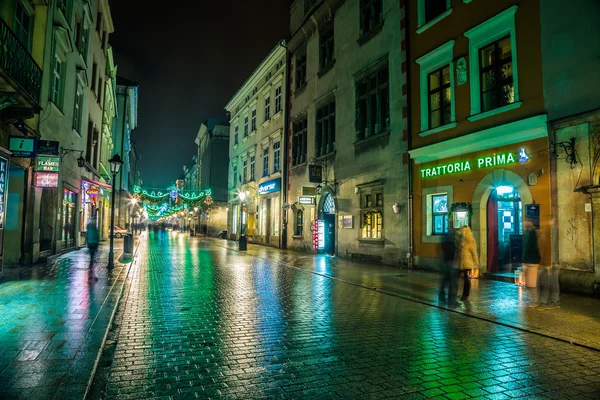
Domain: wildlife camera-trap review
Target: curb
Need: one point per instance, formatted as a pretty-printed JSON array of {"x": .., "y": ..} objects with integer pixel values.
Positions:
[
  {"x": 111, "y": 319},
  {"x": 539, "y": 332}
]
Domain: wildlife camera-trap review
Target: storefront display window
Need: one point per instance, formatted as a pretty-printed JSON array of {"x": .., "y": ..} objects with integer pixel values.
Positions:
[
  {"x": 439, "y": 206},
  {"x": 68, "y": 218},
  {"x": 299, "y": 223},
  {"x": 372, "y": 214},
  {"x": 275, "y": 219}
]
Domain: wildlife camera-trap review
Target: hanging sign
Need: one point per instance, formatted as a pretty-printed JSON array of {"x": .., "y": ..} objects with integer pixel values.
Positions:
[
  {"x": 47, "y": 164},
  {"x": 93, "y": 192},
  {"x": 21, "y": 146},
  {"x": 315, "y": 173},
  {"x": 46, "y": 179},
  {"x": 306, "y": 200},
  {"x": 269, "y": 186},
  {"x": 481, "y": 162},
  {"x": 48, "y": 147}
]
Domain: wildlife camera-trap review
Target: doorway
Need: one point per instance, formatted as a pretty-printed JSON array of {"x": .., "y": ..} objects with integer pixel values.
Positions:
[
  {"x": 328, "y": 216},
  {"x": 504, "y": 229}
]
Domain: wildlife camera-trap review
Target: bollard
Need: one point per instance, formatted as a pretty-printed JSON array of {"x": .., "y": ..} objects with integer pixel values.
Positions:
[{"x": 243, "y": 243}]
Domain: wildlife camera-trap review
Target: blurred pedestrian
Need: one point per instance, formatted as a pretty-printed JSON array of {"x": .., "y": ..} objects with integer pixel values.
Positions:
[
  {"x": 466, "y": 257},
  {"x": 448, "y": 274},
  {"x": 93, "y": 240}
]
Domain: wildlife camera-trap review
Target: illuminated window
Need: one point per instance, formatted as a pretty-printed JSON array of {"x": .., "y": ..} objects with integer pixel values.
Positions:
[
  {"x": 496, "y": 75},
  {"x": 299, "y": 223},
  {"x": 372, "y": 213},
  {"x": 439, "y": 207}
]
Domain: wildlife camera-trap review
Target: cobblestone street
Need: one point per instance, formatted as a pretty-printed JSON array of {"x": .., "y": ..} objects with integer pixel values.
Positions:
[{"x": 198, "y": 320}]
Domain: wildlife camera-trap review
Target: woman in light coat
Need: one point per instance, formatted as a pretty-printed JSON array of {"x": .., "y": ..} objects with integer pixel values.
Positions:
[{"x": 466, "y": 257}]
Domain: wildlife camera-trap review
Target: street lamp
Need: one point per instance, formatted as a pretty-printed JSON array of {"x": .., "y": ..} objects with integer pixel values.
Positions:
[{"x": 115, "y": 166}]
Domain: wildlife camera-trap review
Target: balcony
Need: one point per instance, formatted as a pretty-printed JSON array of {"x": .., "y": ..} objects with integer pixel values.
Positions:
[{"x": 18, "y": 70}]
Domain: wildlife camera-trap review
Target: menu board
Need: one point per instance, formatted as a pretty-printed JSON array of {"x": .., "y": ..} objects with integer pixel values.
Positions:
[
  {"x": 3, "y": 189},
  {"x": 532, "y": 213}
]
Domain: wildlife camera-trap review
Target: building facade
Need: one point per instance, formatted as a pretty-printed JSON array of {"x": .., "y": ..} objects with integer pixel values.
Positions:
[
  {"x": 479, "y": 129},
  {"x": 212, "y": 171},
  {"x": 347, "y": 129},
  {"x": 256, "y": 151}
]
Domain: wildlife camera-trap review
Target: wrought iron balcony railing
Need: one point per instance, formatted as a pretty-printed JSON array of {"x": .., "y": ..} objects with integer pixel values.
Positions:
[{"x": 16, "y": 60}]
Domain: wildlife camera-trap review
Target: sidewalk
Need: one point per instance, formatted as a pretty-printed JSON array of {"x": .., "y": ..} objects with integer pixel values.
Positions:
[
  {"x": 576, "y": 321},
  {"x": 53, "y": 322}
]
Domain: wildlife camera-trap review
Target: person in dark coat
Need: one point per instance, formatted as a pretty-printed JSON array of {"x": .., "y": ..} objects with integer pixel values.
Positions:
[
  {"x": 448, "y": 275},
  {"x": 93, "y": 240}
]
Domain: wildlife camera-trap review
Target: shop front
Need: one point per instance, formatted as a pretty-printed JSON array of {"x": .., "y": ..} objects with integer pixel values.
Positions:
[
  {"x": 493, "y": 190},
  {"x": 4, "y": 159},
  {"x": 95, "y": 200},
  {"x": 268, "y": 216}
]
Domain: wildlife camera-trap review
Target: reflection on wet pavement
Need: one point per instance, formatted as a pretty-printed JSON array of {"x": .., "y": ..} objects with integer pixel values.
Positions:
[{"x": 205, "y": 321}]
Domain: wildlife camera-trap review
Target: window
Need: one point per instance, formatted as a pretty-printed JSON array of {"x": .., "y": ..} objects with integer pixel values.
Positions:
[
  {"x": 267, "y": 108},
  {"x": 439, "y": 207},
  {"x": 371, "y": 14},
  {"x": 326, "y": 56},
  {"x": 245, "y": 170},
  {"x": 235, "y": 177},
  {"x": 372, "y": 107},
  {"x": 325, "y": 137},
  {"x": 82, "y": 34},
  {"x": 299, "y": 223},
  {"x": 266, "y": 162},
  {"x": 277, "y": 99},
  {"x": 433, "y": 8},
  {"x": 94, "y": 78},
  {"x": 276, "y": 156},
  {"x": 493, "y": 70},
  {"x": 437, "y": 89},
  {"x": 100, "y": 90},
  {"x": 62, "y": 6},
  {"x": 23, "y": 22},
  {"x": 89, "y": 143},
  {"x": 99, "y": 23},
  {"x": 372, "y": 213},
  {"x": 78, "y": 108},
  {"x": 56, "y": 94},
  {"x": 299, "y": 141},
  {"x": 235, "y": 134},
  {"x": 252, "y": 162},
  {"x": 440, "y": 98},
  {"x": 253, "y": 121},
  {"x": 496, "y": 75},
  {"x": 301, "y": 68},
  {"x": 246, "y": 126},
  {"x": 96, "y": 144}
]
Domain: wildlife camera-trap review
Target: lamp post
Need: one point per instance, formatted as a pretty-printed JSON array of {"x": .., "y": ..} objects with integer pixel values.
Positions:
[
  {"x": 131, "y": 219},
  {"x": 115, "y": 166}
]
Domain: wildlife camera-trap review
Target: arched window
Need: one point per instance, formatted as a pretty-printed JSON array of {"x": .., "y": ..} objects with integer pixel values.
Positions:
[
  {"x": 329, "y": 204},
  {"x": 299, "y": 222}
]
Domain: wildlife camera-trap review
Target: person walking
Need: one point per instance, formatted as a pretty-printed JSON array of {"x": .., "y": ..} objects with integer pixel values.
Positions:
[
  {"x": 448, "y": 272},
  {"x": 93, "y": 239},
  {"x": 467, "y": 258}
]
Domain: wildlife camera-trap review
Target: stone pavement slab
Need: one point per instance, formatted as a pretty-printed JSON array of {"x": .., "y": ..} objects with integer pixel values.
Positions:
[
  {"x": 577, "y": 320},
  {"x": 202, "y": 321},
  {"x": 53, "y": 322}
]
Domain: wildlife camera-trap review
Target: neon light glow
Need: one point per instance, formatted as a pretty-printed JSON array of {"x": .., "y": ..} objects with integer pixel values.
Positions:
[{"x": 481, "y": 162}]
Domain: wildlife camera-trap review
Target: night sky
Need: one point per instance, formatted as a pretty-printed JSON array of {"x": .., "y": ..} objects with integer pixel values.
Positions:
[{"x": 189, "y": 59}]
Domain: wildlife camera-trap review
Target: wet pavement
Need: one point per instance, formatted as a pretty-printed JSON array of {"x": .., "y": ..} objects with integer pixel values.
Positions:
[
  {"x": 576, "y": 321},
  {"x": 53, "y": 321},
  {"x": 198, "y": 320}
]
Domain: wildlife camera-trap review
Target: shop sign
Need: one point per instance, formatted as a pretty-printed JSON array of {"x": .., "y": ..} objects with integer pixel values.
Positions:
[
  {"x": 3, "y": 187},
  {"x": 48, "y": 147},
  {"x": 315, "y": 231},
  {"x": 269, "y": 186},
  {"x": 93, "y": 192},
  {"x": 315, "y": 173},
  {"x": 21, "y": 146},
  {"x": 46, "y": 179},
  {"x": 480, "y": 163},
  {"x": 306, "y": 200},
  {"x": 48, "y": 164}
]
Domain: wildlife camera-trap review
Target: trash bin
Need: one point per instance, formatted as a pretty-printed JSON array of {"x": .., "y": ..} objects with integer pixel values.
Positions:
[
  {"x": 128, "y": 244},
  {"x": 243, "y": 243}
]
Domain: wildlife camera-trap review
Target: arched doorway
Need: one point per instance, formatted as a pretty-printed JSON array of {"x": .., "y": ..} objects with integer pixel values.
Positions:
[
  {"x": 497, "y": 221},
  {"x": 327, "y": 214}
]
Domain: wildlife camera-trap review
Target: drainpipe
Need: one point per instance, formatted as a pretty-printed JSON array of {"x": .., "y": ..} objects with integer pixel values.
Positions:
[
  {"x": 286, "y": 123},
  {"x": 410, "y": 255}
]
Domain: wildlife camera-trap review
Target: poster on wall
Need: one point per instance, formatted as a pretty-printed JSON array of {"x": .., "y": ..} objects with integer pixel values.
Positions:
[{"x": 532, "y": 213}]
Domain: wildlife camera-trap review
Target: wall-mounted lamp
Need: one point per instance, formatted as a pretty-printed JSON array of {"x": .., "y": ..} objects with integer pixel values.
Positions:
[
  {"x": 396, "y": 207},
  {"x": 356, "y": 190},
  {"x": 80, "y": 159}
]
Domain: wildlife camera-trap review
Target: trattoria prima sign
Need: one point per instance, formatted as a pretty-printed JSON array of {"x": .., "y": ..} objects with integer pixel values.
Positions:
[{"x": 482, "y": 162}]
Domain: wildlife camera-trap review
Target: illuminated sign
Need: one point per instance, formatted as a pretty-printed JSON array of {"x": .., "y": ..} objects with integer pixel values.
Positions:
[
  {"x": 315, "y": 231},
  {"x": 21, "y": 146},
  {"x": 321, "y": 231},
  {"x": 48, "y": 164},
  {"x": 46, "y": 179},
  {"x": 481, "y": 162},
  {"x": 92, "y": 192},
  {"x": 306, "y": 200},
  {"x": 269, "y": 186},
  {"x": 3, "y": 187},
  {"x": 48, "y": 147}
]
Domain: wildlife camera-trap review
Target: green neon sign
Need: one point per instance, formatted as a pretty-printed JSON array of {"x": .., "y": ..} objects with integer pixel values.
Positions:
[{"x": 481, "y": 162}]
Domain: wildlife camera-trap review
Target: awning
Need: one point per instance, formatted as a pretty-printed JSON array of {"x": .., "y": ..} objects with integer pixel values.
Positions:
[{"x": 96, "y": 183}]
